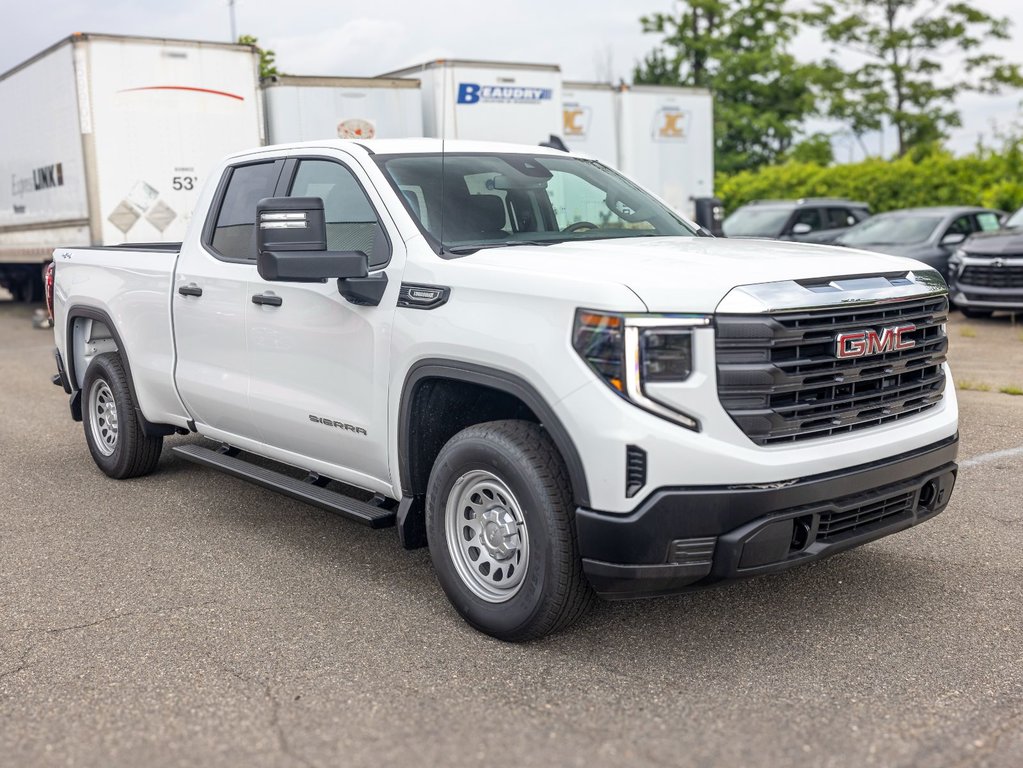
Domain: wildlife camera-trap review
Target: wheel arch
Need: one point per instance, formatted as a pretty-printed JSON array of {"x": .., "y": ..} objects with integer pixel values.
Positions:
[
  {"x": 414, "y": 464},
  {"x": 77, "y": 362}
]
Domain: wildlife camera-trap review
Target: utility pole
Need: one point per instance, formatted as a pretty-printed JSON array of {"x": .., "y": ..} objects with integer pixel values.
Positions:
[{"x": 234, "y": 31}]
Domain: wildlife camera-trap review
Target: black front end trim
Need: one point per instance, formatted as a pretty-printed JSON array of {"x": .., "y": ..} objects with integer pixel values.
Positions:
[{"x": 663, "y": 546}]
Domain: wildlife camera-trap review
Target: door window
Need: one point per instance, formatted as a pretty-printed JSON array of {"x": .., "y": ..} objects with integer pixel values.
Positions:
[
  {"x": 234, "y": 236},
  {"x": 988, "y": 221},
  {"x": 352, "y": 224},
  {"x": 840, "y": 218},
  {"x": 811, "y": 216},
  {"x": 961, "y": 226}
]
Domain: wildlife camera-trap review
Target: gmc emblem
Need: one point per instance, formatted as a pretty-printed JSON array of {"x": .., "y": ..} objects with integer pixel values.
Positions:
[{"x": 870, "y": 342}]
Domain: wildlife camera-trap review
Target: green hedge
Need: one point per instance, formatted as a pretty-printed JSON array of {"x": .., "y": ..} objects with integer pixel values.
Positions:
[{"x": 984, "y": 178}]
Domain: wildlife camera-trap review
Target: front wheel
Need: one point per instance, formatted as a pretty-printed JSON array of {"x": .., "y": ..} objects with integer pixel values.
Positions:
[
  {"x": 112, "y": 430},
  {"x": 501, "y": 529}
]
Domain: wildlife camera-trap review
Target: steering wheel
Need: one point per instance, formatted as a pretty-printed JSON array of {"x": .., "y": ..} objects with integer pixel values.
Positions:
[{"x": 576, "y": 226}]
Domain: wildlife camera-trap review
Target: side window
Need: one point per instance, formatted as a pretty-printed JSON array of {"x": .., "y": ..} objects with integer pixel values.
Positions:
[
  {"x": 840, "y": 218},
  {"x": 988, "y": 222},
  {"x": 352, "y": 224},
  {"x": 960, "y": 226},
  {"x": 235, "y": 232},
  {"x": 811, "y": 216}
]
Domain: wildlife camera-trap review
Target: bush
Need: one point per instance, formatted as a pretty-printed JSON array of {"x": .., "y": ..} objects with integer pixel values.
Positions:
[{"x": 993, "y": 179}]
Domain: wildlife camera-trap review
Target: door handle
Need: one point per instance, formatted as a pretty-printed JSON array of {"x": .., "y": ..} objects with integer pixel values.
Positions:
[
  {"x": 190, "y": 290},
  {"x": 267, "y": 299}
]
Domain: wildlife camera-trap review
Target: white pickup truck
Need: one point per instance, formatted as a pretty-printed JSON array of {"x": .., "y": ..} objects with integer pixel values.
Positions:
[{"x": 525, "y": 362}]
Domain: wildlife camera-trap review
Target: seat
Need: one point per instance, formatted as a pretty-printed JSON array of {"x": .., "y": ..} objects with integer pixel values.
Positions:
[{"x": 474, "y": 217}]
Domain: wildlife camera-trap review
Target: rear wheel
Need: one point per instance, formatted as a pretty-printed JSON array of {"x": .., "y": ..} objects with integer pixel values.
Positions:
[
  {"x": 112, "y": 430},
  {"x": 501, "y": 529}
]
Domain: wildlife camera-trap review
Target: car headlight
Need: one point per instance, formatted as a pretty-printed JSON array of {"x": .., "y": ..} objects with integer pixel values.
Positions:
[{"x": 629, "y": 351}]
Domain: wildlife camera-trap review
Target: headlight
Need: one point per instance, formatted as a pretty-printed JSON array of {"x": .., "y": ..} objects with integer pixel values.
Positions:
[{"x": 629, "y": 351}]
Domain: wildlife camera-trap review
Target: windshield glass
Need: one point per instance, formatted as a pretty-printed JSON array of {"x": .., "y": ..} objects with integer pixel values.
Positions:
[
  {"x": 489, "y": 200},
  {"x": 754, "y": 221},
  {"x": 1016, "y": 220},
  {"x": 892, "y": 230}
]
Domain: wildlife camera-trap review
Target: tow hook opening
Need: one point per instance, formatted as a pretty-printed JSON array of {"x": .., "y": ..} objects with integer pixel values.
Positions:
[
  {"x": 801, "y": 532},
  {"x": 929, "y": 494}
]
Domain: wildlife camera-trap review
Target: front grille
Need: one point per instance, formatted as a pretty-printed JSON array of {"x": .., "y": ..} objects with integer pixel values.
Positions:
[
  {"x": 990, "y": 276},
  {"x": 872, "y": 514},
  {"x": 780, "y": 380}
]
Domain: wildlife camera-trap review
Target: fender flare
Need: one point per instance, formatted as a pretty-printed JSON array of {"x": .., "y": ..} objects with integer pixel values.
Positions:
[{"x": 440, "y": 368}]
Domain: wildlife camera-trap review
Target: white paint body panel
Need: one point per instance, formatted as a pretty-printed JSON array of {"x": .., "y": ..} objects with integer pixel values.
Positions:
[{"x": 509, "y": 310}]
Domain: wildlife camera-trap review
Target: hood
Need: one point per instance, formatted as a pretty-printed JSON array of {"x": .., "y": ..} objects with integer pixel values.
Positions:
[
  {"x": 1003, "y": 242},
  {"x": 908, "y": 251},
  {"x": 682, "y": 274}
]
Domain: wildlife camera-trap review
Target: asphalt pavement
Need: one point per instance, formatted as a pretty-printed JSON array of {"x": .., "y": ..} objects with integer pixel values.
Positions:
[{"x": 190, "y": 619}]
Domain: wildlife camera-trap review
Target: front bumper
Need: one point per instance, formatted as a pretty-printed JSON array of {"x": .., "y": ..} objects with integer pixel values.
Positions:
[
  {"x": 1000, "y": 292},
  {"x": 684, "y": 538}
]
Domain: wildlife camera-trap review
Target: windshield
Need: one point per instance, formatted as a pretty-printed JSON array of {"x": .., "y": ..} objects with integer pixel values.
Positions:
[
  {"x": 490, "y": 200},
  {"x": 753, "y": 221},
  {"x": 1015, "y": 221},
  {"x": 892, "y": 230}
]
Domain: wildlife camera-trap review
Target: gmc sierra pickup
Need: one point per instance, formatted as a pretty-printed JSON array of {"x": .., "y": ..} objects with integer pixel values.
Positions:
[{"x": 523, "y": 361}]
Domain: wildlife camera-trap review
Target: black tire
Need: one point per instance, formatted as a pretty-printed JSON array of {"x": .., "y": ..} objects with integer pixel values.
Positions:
[
  {"x": 119, "y": 446},
  {"x": 552, "y": 592},
  {"x": 976, "y": 314}
]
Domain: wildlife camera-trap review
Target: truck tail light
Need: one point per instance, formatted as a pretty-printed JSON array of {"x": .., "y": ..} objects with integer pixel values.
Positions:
[{"x": 48, "y": 280}]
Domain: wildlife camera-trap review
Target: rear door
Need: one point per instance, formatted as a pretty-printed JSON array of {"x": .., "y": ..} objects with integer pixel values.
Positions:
[
  {"x": 319, "y": 364},
  {"x": 211, "y": 301}
]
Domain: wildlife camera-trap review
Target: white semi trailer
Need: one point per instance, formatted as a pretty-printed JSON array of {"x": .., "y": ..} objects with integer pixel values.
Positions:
[
  {"x": 106, "y": 140},
  {"x": 489, "y": 101},
  {"x": 308, "y": 108}
]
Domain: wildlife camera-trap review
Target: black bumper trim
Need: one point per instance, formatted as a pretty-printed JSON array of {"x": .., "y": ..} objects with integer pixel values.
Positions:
[{"x": 759, "y": 529}]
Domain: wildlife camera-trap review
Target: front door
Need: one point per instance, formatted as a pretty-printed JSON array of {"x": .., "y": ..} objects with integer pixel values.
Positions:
[{"x": 318, "y": 365}]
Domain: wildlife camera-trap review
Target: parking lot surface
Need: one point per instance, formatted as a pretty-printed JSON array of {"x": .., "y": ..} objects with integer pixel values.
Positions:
[{"x": 188, "y": 618}]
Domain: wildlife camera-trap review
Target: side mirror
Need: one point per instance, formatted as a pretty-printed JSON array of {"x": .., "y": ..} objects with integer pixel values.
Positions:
[
  {"x": 291, "y": 240},
  {"x": 802, "y": 228},
  {"x": 953, "y": 238}
]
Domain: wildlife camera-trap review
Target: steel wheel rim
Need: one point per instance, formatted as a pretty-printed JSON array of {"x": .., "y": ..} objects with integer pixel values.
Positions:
[
  {"x": 487, "y": 538},
  {"x": 103, "y": 412}
]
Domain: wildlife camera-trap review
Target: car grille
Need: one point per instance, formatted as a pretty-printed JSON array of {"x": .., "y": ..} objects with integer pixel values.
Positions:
[
  {"x": 991, "y": 276},
  {"x": 780, "y": 380},
  {"x": 875, "y": 513}
]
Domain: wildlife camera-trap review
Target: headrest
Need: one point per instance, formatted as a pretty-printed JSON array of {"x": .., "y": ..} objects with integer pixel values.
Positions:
[
  {"x": 413, "y": 203},
  {"x": 485, "y": 212}
]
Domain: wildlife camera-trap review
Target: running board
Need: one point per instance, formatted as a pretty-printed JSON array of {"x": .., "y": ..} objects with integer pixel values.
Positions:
[{"x": 346, "y": 506}]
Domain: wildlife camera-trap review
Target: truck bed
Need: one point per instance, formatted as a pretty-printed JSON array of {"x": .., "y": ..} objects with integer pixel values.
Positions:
[{"x": 121, "y": 295}]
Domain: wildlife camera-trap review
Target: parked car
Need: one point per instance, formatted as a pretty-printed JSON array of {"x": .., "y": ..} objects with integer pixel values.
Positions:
[
  {"x": 810, "y": 220},
  {"x": 986, "y": 274},
  {"x": 929, "y": 235}
]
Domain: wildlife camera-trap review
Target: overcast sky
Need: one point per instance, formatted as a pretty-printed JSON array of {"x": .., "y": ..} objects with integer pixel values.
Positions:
[{"x": 590, "y": 39}]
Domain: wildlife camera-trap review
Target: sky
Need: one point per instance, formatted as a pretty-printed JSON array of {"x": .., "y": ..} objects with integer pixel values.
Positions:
[{"x": 589, "y": 39}]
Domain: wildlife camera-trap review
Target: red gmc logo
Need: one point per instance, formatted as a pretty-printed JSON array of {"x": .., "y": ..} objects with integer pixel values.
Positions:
[{"x": 870, "y": 342}]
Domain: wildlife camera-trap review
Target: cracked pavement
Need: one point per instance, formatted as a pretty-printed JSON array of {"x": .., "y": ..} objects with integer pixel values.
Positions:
[{"x": 189, "y": 619}]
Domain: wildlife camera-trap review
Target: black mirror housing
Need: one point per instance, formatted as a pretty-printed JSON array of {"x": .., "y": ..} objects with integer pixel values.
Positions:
[
  {"x": 291, "y": 238},
  {"x": 311, "y": 266},
  {"x": 290, "y": 224}
]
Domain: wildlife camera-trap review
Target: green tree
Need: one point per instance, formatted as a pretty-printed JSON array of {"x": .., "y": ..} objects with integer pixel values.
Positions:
[
  {"x": 738, "y": 50},
  {"x": 815, "y": 148},
  {"x": 903, "y": 46},
  {"x": 267, "y": 64}
]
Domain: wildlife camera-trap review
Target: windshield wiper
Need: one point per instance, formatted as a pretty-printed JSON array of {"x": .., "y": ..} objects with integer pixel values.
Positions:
[{"x": 473, "y": 247}]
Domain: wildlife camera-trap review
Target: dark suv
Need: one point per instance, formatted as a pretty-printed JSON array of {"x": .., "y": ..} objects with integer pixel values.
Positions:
[
  {"x": 986, "y": 273},
  {"x": 810, "y": 220}
]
